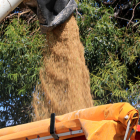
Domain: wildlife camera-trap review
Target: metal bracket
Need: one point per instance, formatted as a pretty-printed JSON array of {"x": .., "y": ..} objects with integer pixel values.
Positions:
[
  {"x": 127, "y": 130},
  {"x": 52, "y": 127}
]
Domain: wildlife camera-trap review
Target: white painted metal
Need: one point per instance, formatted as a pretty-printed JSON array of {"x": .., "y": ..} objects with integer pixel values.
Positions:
[
  {"x": 60, "y": 135},
  {"x": 126, "y": 117},
  {"x": 6, "y": 6},
  {"x": 77, "y": 132},
  {"x": 64, "y": 134},
  {"x": 43, "y": 138},
  {"x": 127, "y": 130}
]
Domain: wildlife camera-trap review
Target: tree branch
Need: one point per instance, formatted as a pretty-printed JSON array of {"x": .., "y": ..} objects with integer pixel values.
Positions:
[
  {"x": 78, "y": 13},
  {"x": 125, "y": 19},
  {"x": 133, "y": 14},
  {"x": 109, "y": 3},
  {"x": 24, "y": 12},
  {"x": 11, "y": 15},
  {"x": 31, "y": 19},
  {"x": 124, "y": 7}
]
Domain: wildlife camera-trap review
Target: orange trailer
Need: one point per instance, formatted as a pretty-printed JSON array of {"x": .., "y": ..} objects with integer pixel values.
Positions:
[{"x": 106, "y": 122}]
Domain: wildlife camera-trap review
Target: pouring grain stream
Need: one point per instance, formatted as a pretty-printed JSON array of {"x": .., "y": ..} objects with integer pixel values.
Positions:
[{"x": 65, "y": 82}]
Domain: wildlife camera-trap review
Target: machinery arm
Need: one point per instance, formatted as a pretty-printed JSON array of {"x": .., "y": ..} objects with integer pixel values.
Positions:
[{"x": 50, "y": 13}]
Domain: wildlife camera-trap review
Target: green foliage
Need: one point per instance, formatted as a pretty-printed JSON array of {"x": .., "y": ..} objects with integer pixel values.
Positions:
[
  {"x": 112, "y": 54},
  {"x": 20, "y": 60},
  {"x": 109, "y": 85}
]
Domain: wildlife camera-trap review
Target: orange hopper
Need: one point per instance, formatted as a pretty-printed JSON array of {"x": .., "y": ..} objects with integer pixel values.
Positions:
[{"x": 106, "y": 122}]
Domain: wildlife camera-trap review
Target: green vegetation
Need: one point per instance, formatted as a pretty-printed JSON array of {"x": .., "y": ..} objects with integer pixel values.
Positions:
[
  {"x": 20, "y": 59},
  {"x": 112, "y": 53}
]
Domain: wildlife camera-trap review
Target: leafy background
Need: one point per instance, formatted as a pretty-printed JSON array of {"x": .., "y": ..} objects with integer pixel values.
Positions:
[{"x": 109, "y": 30}]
